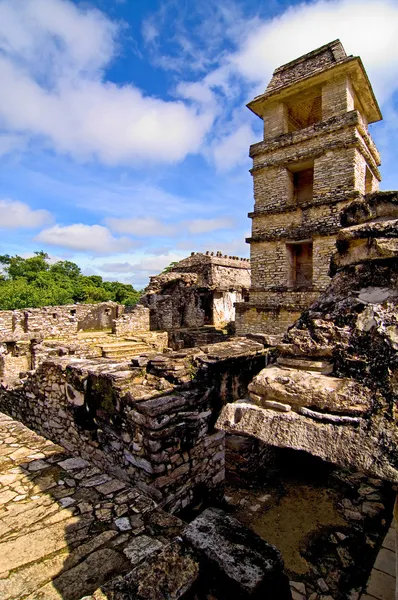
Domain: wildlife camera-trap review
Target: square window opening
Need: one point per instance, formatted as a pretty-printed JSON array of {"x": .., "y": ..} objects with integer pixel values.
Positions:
[
  {"x": 302, "y": 183},
  {"x": 304, "y": 111},
  {"x": 300, "y": 265}
]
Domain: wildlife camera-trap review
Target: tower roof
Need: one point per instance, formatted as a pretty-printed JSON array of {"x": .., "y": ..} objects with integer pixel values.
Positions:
[{"x": 314, "y": 68}]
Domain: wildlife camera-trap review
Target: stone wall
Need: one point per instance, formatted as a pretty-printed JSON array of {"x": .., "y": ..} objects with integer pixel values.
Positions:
[
  {"x": 135, "y": 320},
  {"x": 333, "y": 389},
  {"x": 257, "y": 319},
  {"x": 152, "y": 423},
  {"x": 199, "y": 290},
  {"x": 53, "y": 321}
]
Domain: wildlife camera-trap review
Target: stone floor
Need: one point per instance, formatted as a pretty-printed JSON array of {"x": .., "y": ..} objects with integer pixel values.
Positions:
[
  {"x": 381, "y": 583},
  {"x": 65, "y": 526}
]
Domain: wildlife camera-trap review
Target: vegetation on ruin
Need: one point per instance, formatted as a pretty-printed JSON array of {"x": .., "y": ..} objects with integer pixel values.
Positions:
[
  {"x": 169, "y": 267},
  {"x": 35, "y": 282}
]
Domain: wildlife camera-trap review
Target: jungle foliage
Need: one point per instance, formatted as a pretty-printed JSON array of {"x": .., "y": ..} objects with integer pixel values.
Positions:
[{"x": 34, "y": 282}]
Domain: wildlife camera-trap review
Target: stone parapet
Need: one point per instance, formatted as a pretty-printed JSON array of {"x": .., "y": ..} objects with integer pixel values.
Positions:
[
  {"x": 55, "y": 321},
  {"x": 134, "y": 321},
  {"x": 152, "y": 423}
]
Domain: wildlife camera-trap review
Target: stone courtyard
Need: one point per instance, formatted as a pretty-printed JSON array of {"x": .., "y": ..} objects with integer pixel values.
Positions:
[{"x": 66, "y": 527}]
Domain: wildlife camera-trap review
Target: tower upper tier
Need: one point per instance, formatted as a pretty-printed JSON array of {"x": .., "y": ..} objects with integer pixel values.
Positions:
[{"x": 322, "y": 84}]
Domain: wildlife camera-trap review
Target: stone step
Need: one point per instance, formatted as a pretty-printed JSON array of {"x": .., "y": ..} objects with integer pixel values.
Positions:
[
  {"x": 306, "y": 364},
  {"x": 126, "y": 352},
  {"x": 123, "y": 344}
]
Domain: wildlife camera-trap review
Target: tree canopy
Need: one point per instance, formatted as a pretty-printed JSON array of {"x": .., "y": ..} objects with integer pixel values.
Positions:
[{"x": 34, "y": 282}]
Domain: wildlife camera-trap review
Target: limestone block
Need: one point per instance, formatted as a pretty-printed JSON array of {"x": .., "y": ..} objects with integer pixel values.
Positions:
[
  {"x": 308, "y": 388},
  {"x": 252, "y": 567},
  {"x": 321, "y": 366},
  {"x": 366, "y": 447},
  {"x": 367, "y": 249},
  {"x": 170, "y": 574}
]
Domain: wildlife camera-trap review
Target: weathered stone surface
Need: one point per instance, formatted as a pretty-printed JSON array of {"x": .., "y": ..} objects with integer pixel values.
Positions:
[
  {"x": 360, "y": 250},
  {"x": 199, "y": 290},
  {"x": 310, "y": 389},
  {"x": 252, "y": 567},
  {"x": 315, "y": 158},
  {"x": 370, "y": 447},
  {"x": 152, "y": 424},
  {"x": 320, "y": 366},
  {"x": 168, "y": 576},
  {"x": 59, "y": 538}
]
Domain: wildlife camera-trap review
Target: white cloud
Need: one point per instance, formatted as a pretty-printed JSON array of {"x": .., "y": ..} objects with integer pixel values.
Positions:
[
  {"x": 232, "y": 149},
  {"x": 11, "y": 142},
  {"x": 56, "y": 37},
  {"x": 18, "y": 215},
  {"x": 368, "y": 28},
  {"x": 152, "y": 227},
  {"x": 152, "y": 265},
  {"x": 145, "y": 227},
  {"x": 80, "y": 237},
  {"x": 53, "y": 89},
  {"x": 149, "y": 31},
  {"x": 116, "y": 267},
  {"x": 206, "y": 225}
]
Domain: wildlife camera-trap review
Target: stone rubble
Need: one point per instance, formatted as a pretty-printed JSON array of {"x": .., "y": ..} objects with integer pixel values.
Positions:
[{"x": 349, "y": 416}]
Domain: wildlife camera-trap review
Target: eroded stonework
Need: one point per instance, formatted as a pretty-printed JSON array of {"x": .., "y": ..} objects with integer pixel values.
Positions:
[
  {"x": 199, "y": 290},
  {"x": 315, "y": 158},
  {"x": 333, "y": 389},
  {"x": 149, "y": 421}
]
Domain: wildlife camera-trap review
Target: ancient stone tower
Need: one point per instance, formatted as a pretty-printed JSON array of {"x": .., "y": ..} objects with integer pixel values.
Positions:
[{"x": 316, "y": 156}]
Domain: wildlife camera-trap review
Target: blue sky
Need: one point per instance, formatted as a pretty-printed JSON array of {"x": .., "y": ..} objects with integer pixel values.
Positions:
[{"x": 123, "y": 130}]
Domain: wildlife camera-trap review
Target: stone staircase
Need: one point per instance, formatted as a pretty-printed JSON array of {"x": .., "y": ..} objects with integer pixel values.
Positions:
[{"x": 124, "y": 350}]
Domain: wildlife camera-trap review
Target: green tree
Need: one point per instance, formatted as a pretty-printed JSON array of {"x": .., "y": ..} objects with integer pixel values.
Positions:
[{"x": 34, "y": 282}]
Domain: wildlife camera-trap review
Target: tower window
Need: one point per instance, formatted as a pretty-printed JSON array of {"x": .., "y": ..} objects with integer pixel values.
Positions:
[
  {"x": 302, "y": 182},
  {"x": 303, "y": 111},
  {"x": 303, "y": 186},
  {"x": 300, "y": 265}
]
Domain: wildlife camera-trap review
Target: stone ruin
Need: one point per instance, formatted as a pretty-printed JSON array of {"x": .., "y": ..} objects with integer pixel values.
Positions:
[
  {"x": 191, "y": 304},
  {"x": 154, "y": 395},
  {"x": 108, "y": 330},
  {"x": 198, "y": 291},
  {"x": 316, "y": 157},
  {"x": 333, "y": 388}
]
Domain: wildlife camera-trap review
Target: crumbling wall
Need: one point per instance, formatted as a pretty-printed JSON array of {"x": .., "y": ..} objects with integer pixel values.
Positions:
[
  {"x": 135, "y": 320},
  {"x": 333, "y": 390},
  {"x": 200, "y": 290},
  {"x": 152, "y": 423},
  {"x": 178, "y": 305},
  {"x": 14, "y": 358},
  {"x": 53, "y": 321}
]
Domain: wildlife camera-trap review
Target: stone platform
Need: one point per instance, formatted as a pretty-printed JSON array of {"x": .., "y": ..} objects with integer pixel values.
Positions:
[
  {"x": 66, "y": 527},
  {"x": 382, "y": 581}
]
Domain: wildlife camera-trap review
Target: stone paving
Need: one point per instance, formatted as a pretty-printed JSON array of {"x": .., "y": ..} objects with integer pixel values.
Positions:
[
  {"x": 381, "y": 583},
  {"x": 65, "y": 526}
]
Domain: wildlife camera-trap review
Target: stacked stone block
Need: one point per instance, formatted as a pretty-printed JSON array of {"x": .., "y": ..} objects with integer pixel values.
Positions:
[
  {"x": 150, "y": 423},
  {"x": 316, "y": 157}
]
